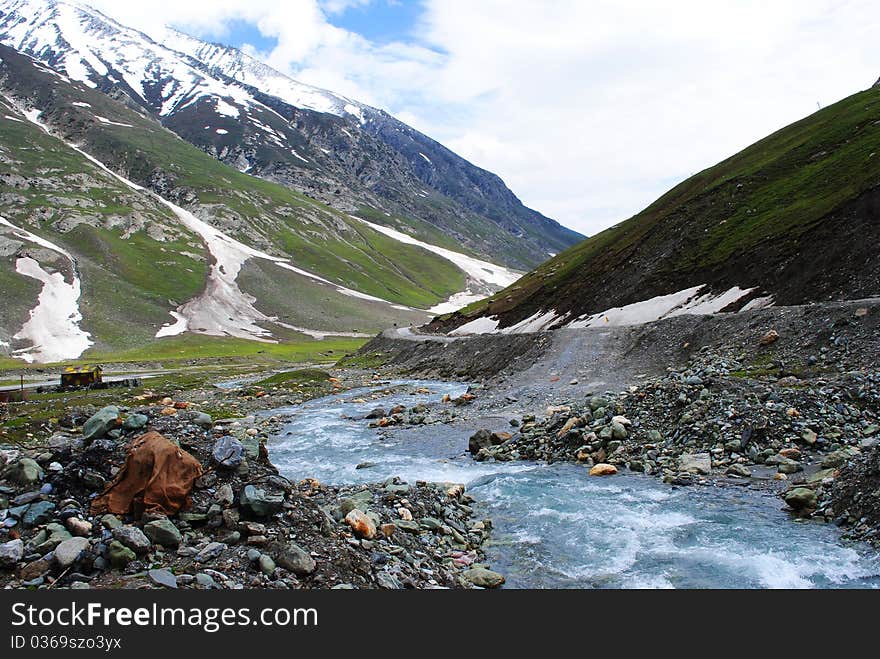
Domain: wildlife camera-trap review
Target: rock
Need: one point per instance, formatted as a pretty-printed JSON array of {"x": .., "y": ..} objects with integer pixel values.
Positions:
[
  {"x": 791, "y": 453},
  {"x": 163, "y": 532},
  {"x": 695, "y": 463},
  {"x": 210, "y": 552},
  {"x": 388, "y": 530},
  {"x": 603, "y": 469},
  {"x": 133, "y": 538},
  {"x": 809, "y": 437},
  {"x": 101, "y": 423},
  {"x": 255, "y": 501},
  {"x": 205, "y": 580},
  {"x": 739, "y": 470},
  {"x": 228, "y": 452},
  {"x": 57, "y": 535},
  {"x": 377, "y": 413},
  {"x": 801, "y": 498},
  {"x": 362, "y": 526},
  {"x": 120, "y": 555},
  {"x": 788, "y": 466},
  {"x": 837, "y": 459},
  {"x": 163, "y": 578},
  {"x": 296, "y": 559},
  {"x": 203, "y": 420},
  {"x": 479, "y": 576},
  {"x": 78, "y": 526},
  {"x": 135, "y": 422},
  {"x": 111, "y": 522},
  {"x": 225, "y": 495},
  {"x": 11, "y": 553},
  {"x": 68, "y": 551},
  {"x": 23, "y": 471},
  {"x": 362, "y": 500},
  {"x": 479, "y": 440},
  {"x": 618, "y": 431},
  {"x": 38, "y": 513},
  {"x": 770, "y": 337},
  {"x": 266, "y": 564},
  {"x": 405, "y": 514}
]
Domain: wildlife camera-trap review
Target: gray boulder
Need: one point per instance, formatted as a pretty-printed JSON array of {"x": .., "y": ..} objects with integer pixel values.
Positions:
[
  {"x": 228, "y": 452},
  {"x": 101, "y": 423},
  {"x": 68, "y": 551},
  {"x": 163, "y": 532},
  {"x": 296, "y": 559},
  {"x": 133, "y": 538},
  {"x": 255, "y": 501}
]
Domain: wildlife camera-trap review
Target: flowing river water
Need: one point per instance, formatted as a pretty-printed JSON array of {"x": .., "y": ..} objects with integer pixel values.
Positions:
[{"x": 556, "y": 527}]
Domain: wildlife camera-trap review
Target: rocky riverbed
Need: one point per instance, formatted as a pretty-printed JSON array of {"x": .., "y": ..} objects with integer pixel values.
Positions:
[{"x": 247, "y": 525}]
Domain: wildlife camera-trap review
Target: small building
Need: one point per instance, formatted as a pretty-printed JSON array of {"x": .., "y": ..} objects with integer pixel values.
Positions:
[{"x": 81, "y": 376}]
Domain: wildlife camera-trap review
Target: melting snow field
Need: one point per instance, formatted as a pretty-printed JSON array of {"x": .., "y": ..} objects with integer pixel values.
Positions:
[
  {"x": 53, "y": 327},
  {"x": 688, "y": 301},
  {"x": 483, "y": 277}
]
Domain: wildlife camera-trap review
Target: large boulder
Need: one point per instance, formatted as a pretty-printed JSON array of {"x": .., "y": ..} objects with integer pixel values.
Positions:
[
  {"x": 294, "y": 558},
  {"x": 695, "y": 463},
  {"x": 23, "y": 472},
  {"x": 101, "y": 423},
  {"x": 133, "y": 538},
  {"x": 68, "y": 551},
  {"x": 228, "y": 452},
  {"x": 163, "y": 532},
  {"x": 801, "y": 499},
  {"x": 256, "y": 502},
  {"x": 480, "y": 576}
]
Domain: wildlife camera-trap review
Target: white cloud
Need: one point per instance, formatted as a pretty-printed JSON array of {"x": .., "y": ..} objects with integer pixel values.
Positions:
[{"x": 589, "y": 110}]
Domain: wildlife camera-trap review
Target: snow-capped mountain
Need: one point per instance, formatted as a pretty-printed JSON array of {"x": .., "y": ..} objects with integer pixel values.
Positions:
[
  {"x": 244, "y": 113},
  {"x": 241, "y": 67}
]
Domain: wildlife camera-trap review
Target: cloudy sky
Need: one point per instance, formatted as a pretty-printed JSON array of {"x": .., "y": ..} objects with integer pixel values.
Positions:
[{"x": 589, "y": 109}]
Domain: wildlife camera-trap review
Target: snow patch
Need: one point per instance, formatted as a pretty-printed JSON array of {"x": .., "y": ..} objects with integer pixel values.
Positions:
[
  {"x": 537, "y": 322},
  {"x": 478, "y": 326},
  {"x": 687, "y": 301},
  {"x": 226, "y": 109},
  {"x": 426, "y": 158},
  {"x": 758, "y": 303},
  {"x": 53, "y": 327},
  {"x": 484, "y": 277},
  {"x": 104, "y": 120},
  {"x": 81, "y": 104},
  {"x": 222, "y": 131}
]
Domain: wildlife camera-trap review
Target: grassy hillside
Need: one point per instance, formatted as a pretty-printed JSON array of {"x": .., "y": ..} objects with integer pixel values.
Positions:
[{"x": 796, "y": 215}]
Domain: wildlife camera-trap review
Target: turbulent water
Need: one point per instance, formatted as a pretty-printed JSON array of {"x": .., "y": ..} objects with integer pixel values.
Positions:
[{"x": 555, "y": 527}]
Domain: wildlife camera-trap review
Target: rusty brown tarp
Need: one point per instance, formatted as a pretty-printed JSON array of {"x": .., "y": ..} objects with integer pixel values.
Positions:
[{"x": 158, "y": 477}]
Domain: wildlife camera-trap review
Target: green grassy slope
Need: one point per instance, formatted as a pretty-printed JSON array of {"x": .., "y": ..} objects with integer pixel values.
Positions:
[{"x": 794, "y": 215}]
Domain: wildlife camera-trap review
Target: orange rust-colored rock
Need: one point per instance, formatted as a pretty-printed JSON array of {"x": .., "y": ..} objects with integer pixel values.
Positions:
[
  {"x": 157, "y": 478},
  {"x": 168, "y": 411},
  {"x": 770, "y": 337},
  {"x": 362, "y": 526},
  {"x": 388, "y": 530},
  {"x": 603, "y": 469},
  {"x": 791, "y": 453}
]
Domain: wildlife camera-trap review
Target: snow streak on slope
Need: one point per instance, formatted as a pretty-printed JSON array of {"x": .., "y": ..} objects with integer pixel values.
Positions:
[
  {"x": 483, "y": 277},
  {"x": 222, "y": 309},
  {"x": 53, "y": 328}
]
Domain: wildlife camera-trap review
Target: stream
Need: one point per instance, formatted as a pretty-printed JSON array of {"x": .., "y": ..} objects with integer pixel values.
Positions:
[{"x": 556, "y": 527}]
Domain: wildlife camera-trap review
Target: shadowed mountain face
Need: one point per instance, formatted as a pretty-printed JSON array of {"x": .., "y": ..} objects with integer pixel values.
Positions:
[
  {"x": 794, "y": 218},
  {"x": 354, "y": 157}
]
